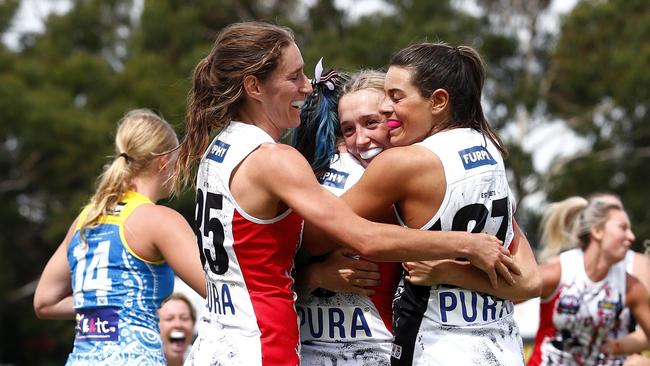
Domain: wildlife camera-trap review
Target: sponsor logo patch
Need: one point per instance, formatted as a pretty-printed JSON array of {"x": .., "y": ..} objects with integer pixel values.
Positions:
[
  {"x": 608, "y": 305},
  {"x": 396, "y": 352},
  {"x": 334, "y": 178},
  {"x": 97, "y": 325},
  {"x": 569, "y": 304},
  {"x": 475, "y": 157},
  {"x": 333, "y": 323},
  {"x": 219, "y": 301},
  {"x": 218, "y": 151},
  {"x": 461, "y": 307}
]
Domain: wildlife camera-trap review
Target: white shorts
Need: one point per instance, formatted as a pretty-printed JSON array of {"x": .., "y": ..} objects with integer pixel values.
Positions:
[{"x": 496, "y": 344}]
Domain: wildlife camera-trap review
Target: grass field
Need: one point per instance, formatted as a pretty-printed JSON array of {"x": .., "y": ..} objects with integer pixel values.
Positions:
[{"x": 528, "y": 349}]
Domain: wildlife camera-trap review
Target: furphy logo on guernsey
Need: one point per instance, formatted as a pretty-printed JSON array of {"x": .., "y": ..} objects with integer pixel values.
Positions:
[
  {"x": 476, "y": 156},
  {"x": 218, "y": 151},
  {"x": 334, "y": 178},
  {"x": 97, "y": 325}
]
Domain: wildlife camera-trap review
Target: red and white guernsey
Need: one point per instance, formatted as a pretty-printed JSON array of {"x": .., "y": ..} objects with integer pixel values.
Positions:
[
  {"x": 577, "y": 319},
  {"x": 346, "y": 329},
  {"x": 250, "y": 317},
  {"x": 626, "y": 323}
]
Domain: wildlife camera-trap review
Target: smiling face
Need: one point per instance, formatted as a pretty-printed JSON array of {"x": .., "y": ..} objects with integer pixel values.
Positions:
[
  {"x": 615, "y": 234},
  {"x": 285, "y": 89},
  {"x": 364, "y": 129},
  {"x": 405, "y": 104},
  {"x": 176, "y": 328}
]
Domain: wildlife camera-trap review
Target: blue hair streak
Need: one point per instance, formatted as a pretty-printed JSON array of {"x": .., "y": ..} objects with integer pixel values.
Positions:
[{"x": 316, "y": 137}]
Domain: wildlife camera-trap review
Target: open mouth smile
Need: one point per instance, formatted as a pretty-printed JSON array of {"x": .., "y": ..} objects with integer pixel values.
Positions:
[
  {"x": 370, "y": 153},
  {"x": 177, "y": 336}
]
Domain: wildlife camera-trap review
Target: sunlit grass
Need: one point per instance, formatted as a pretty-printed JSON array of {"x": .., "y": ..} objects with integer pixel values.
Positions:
[{"x": 528, "y": 349}]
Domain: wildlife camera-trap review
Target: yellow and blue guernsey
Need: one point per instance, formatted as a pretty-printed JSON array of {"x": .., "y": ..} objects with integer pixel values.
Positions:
[{"x": 116, "y": 294}]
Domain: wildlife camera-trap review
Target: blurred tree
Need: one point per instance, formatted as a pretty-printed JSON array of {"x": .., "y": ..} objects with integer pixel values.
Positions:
[
  {"x": 514, "y": 90},
  {"x": 62, "y": 92},
  {"x": 368, "y": 41},
  {"x": 55, "y": 135},
  {"x": 61, "y": 95},
  {"x": 515, "y": 69},
  {"x": 7, "y": 11},
  {"x": 600, "y": 83}
]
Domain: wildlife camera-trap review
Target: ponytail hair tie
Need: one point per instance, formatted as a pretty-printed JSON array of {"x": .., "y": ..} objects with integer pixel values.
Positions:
[
  {"x": 328, "y": 80},
  {"x": 125, "y": 156}
]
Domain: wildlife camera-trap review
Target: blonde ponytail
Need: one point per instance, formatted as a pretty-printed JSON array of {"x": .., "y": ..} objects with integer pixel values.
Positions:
[
  {"x": 567, "y": 224},
  {"x": 141, "y": 137},
  {"x": 559, "y": 226}
]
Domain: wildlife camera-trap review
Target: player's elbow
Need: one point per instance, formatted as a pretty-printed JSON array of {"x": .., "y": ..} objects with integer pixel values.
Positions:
[
  {"x": 44, "y": 303},
  {"x": 367, "y": 251},
  {"x": 40, "y": 307},
  {"x": 358, "y": 243},
  {"x": 368, "y": 246}
]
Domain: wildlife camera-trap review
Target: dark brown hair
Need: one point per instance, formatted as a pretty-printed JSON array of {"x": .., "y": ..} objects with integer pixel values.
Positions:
[{"x": 461, "y": 72}]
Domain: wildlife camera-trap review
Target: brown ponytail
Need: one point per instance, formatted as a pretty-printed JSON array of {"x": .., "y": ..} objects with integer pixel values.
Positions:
[{"x": 240, "y": 50}]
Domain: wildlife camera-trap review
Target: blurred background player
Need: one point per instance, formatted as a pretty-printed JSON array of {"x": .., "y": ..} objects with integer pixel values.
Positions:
[
  {"x": 585, "y": 289},
  {"x": 177, "y": 320}
]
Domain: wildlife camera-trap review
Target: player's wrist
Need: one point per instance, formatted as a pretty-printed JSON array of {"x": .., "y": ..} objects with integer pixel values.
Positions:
[
  {"x": 617, "y": 348},
  {"x": 466, "y": 246}
]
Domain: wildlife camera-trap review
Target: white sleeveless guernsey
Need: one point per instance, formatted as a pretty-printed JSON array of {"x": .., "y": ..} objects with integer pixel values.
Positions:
[
  {"x": 447, "y": 325},
  {"x": 346, "y": 329},
  {"x": 577, "y": 319},
  {"x": 250, "y": 317},
  {"x": 626, "y": 323}
]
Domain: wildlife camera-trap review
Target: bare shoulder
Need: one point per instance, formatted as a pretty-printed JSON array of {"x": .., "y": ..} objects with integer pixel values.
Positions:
[
  {"x": 156, "y": 216},
  {"x": 635, "y": 290},
  {"x": 270, "y": 151},
  {"x": 73, "y": 227},
  {"x": 551, "y": 264},
  {"x": 71, "y": 230},
  {"x": 399, "y": 175},
  {"x": 407, "y": 159},
  {"x": 277, "y": 160}
]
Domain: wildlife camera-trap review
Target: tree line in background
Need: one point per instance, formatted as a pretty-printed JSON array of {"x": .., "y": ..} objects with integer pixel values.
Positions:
[{"x": 62, "y": 91}]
